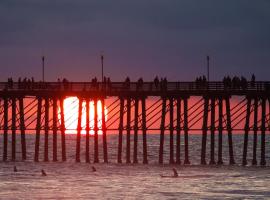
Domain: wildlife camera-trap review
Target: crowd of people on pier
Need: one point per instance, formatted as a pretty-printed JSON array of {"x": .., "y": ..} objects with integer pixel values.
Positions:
[
  {"x": 160, "y": 84},
  {"x": 228, "y": 82},
  {"x": 201, "y": 82},
  {"x": 30, "y": 84}
]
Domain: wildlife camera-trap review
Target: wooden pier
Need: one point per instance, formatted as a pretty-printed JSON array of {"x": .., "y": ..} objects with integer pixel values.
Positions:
[{"x": 177, "y": 108}]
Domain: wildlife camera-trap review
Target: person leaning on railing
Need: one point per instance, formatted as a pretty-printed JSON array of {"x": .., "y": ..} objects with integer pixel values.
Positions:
[
  {"x": 156, "y": 82},
  {"x": 252, "y": 83},
  {"x": 139, "y": 84},
  {"x": 127, "y": 83},
  {"x": 227, "y": 82}
]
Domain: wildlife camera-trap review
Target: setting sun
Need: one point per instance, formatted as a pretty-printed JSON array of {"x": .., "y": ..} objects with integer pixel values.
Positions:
[{"x": 71, "y": 106}]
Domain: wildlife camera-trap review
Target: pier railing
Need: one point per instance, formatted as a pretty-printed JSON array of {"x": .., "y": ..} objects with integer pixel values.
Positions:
[{"x": 135, "y": 86}]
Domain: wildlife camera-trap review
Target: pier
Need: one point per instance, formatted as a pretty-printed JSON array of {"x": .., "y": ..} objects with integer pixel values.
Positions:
[{"x": 136, "y": 109}]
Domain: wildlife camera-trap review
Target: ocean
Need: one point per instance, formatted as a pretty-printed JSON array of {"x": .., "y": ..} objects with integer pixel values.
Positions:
[{"x": 70, "y": 180}]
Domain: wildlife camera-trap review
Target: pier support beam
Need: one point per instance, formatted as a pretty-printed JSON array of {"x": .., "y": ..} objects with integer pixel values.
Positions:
[
  {"x": 128, "y": 130},
  {"x": 38, "y": 127},
  {"x": 244, "y": 161},
  {"x": 263, "y": 162},
  {"x": 63, "y": 129},
  {"x": 14, "y": 116},
  {"x": 96, "y": 157},
  {"x": 205, "y": 128},
  {"x": 55, "y": 119},
  {"x": 136, "y": 113},
  {"x": 22, "y": 127},
  {"x": 220, "y": 129},
  {"x": 87, "y": 129},
  {"x": 145, "y": 160},
  {"x": 255, "y": 129},
  {"x": 79, "y": 128},
  {"x": 46, "y": 144},
  {"x": 171, "y": 132},
  {"x": 162, "y": 130},
  {"x": 186, "y": 161},
  {"x": 104, "y": 134},
  {"x": 212, "y": 142},
  {"x": 229, "y": 129},
  {"x": 5, "y": 129},
  {"x": 178, "y": 130},
  {"x": 120, "y": 138}
]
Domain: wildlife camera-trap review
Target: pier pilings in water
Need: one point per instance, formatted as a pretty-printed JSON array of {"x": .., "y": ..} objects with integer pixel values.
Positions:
[{"x": 173, "y": 114}]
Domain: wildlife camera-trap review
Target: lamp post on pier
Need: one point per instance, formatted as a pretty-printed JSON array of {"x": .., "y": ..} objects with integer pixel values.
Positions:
[
  {"x": 208, "y": 59},
  {"x": 102, "y": 59},
  {"x": 43, "y": 61}
]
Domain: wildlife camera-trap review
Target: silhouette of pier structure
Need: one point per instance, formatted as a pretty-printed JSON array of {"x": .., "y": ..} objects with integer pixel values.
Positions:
[{"x": 178, "y": 108}]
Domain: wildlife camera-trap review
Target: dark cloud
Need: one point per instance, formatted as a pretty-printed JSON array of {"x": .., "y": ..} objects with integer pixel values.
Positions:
[{"x": 140, "y": 38}]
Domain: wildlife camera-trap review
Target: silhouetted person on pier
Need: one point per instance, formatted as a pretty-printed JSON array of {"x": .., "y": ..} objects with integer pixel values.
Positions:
[
  {"x": 226, "y": 82},
  {"x": 109, "y": 83},
  {"x": 127, "y": 83},
  {"x": 65, "y": 84},
  {"x": 204, "y": 82},
  {"x": 19, "y": 83},
  {"x": 10, "y": 83},
  {"x": 252, "y": 80},
  {"x": 28, "y": 84},
  {"x": 156, "y": 82},
  {"x": 15, "y": 169},
  {"x": 163, "y": 83},
  {"x": 95, "y": 83},
  {"x": 43, "y": 173},
  {"x": 236, "y": 82},
  {"x": 140, "y": 84},
  {"x": 243, "y": 83},
  {"x": 59, "y": 84},
  {"x": 104, "y": 84}
]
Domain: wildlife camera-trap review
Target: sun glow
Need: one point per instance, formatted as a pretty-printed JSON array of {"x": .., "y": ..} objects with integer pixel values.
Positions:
[{"x": 71, "y": 107}]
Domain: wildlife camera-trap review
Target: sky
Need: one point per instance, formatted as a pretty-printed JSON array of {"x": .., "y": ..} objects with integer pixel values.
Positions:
[{"x": 142, "y": 38}]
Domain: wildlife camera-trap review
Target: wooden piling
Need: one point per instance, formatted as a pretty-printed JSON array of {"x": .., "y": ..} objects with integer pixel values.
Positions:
[
  {"x": 120, "y": 138},
  {"x": 79, "y": 128},
  {"x": 46, "y": 136},
  {"x": 87, "y": 129},
  {"x": 128, "y": 130},
  {"x": 244, "y": 161},
  {"x": 63, "y": 129},
  {"x": 136, "y": 113},
  {"x": 104, "y": 134},
  {"x": 255, "y": 129},
  {"x": 38, "y": 127},
  {"x": 220, "y": 129},
  {"x": 171, "y": 131},
  {"x": 162, "y": 129},
  {"x": 55, "y": 119},
  {"x": 96, "y": 157},
  {"x": 13, "y": 138},
  {"x": 5, "y": 129},
  {"x": 204, "y": 129},
  {"x": 212, "y": 141},
  {"x": 263, "y": 162},
  {"x": 178, "y": 130},
  {"x": 229, "y": 129},
  {"x": 22, "y": 127},
  {"x": 145, "y": 160},
  {"x": 186, "y": 161}
]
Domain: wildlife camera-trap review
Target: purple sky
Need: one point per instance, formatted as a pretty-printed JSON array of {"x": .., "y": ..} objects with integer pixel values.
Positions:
[{"x": 139, "y": 38}]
